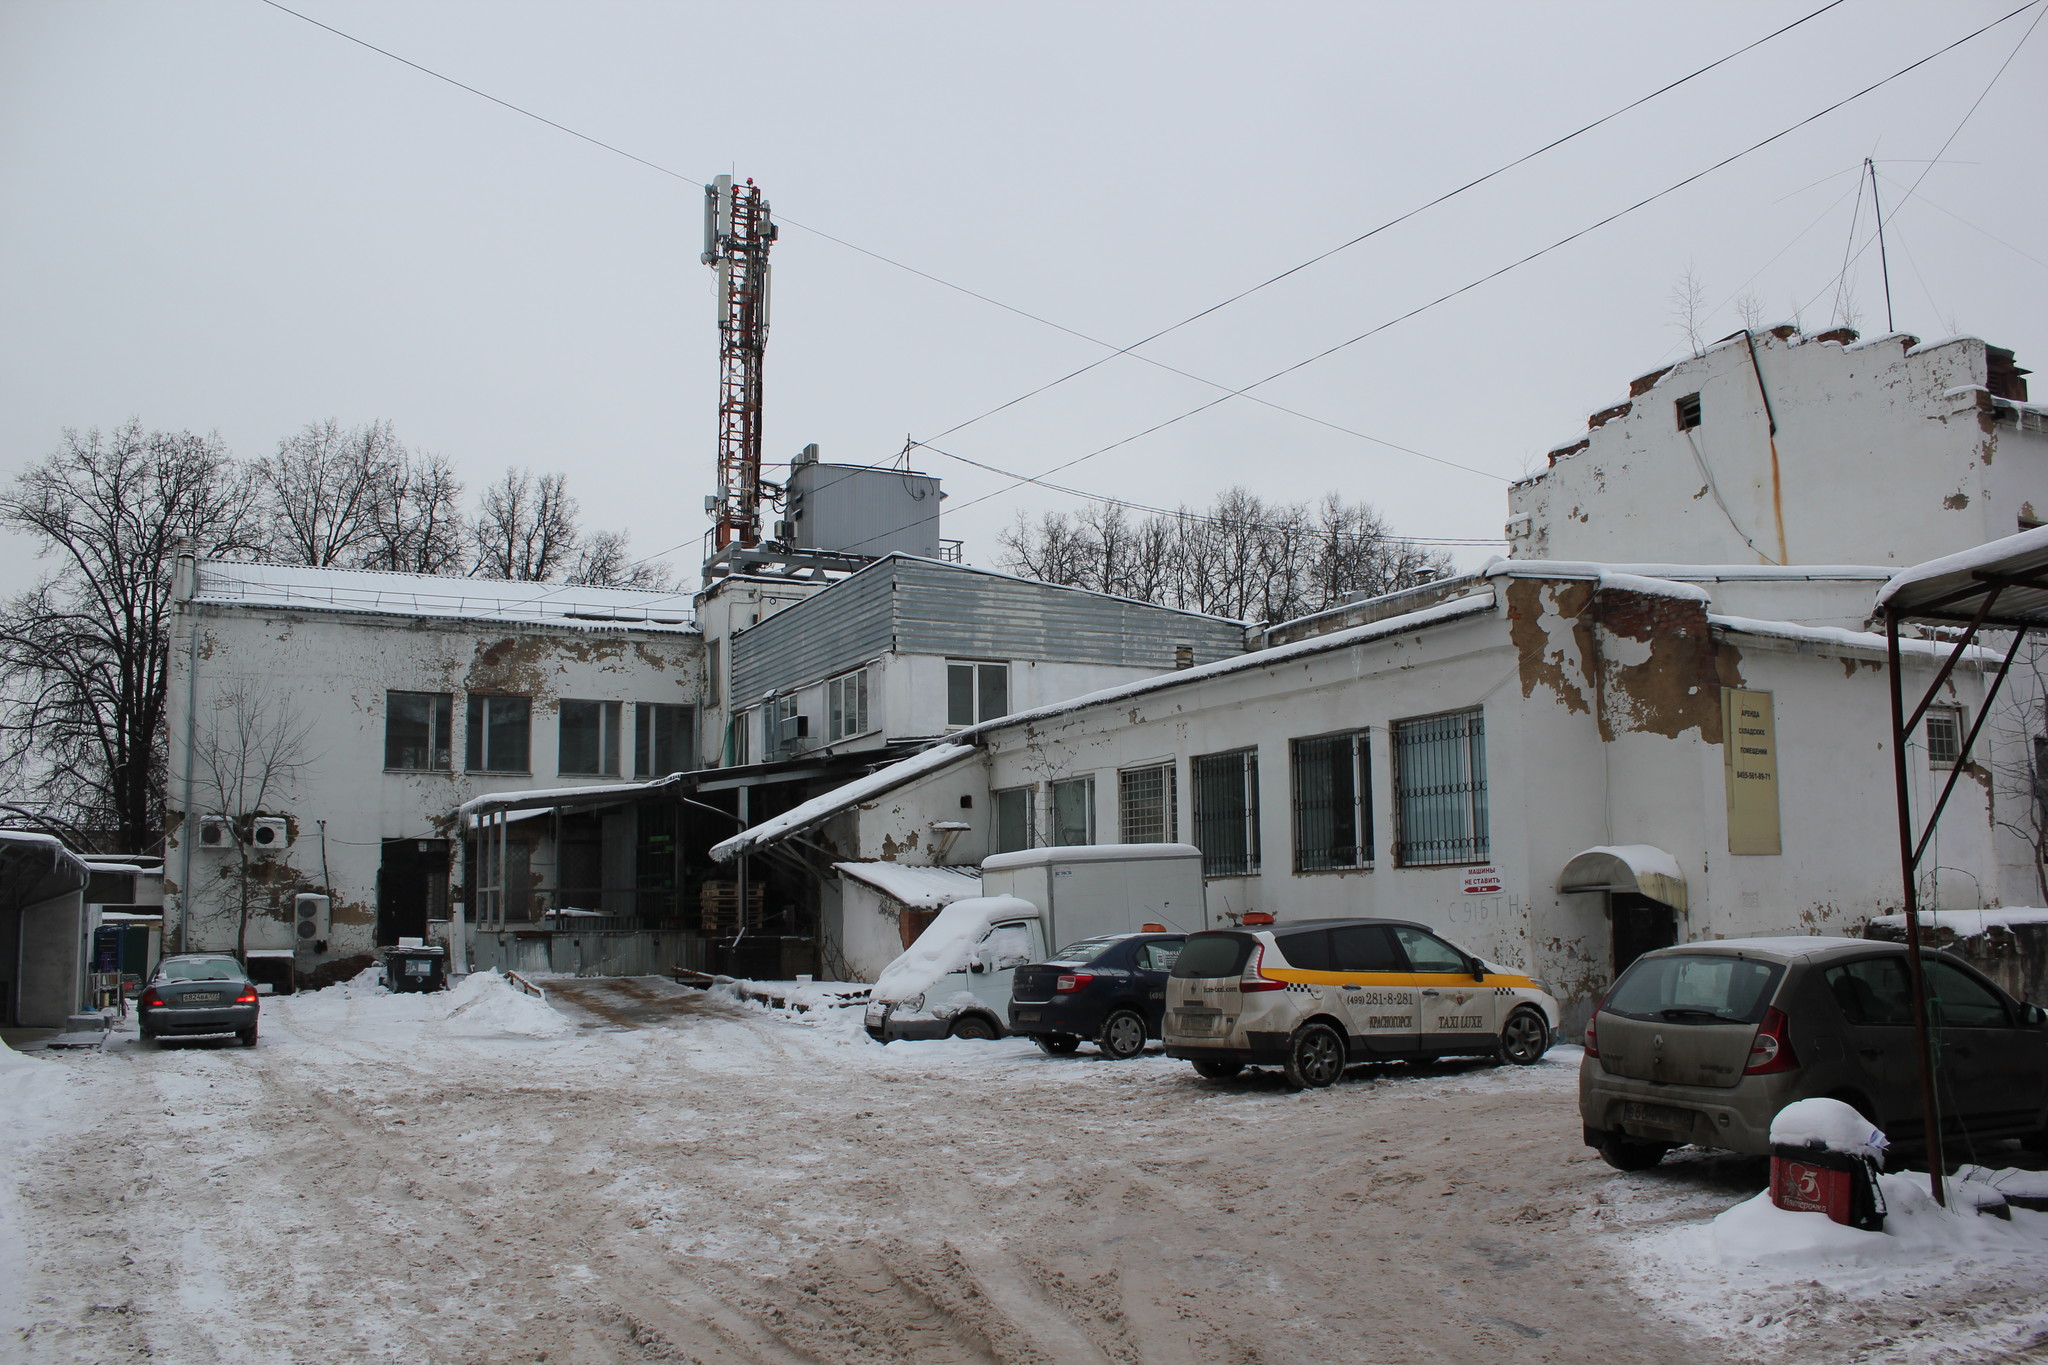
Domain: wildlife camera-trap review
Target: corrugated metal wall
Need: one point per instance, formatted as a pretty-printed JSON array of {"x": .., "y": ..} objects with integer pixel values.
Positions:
[
  {"x": 847, "y": 624},
  {"x": 915, "y": 607}
]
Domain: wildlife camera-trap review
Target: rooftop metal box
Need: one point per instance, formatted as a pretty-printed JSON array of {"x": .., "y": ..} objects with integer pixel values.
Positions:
[{"x": 863, "y": 510}]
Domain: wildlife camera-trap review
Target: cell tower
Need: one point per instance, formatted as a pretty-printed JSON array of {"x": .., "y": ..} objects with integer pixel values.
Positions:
[{"x": 737, "y": 234}]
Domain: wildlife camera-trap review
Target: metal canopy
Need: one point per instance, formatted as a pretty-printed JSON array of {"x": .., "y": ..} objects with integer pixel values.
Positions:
[
  {"x": 2002, "y": 585},
  {"x": 1638, "y": 868}
]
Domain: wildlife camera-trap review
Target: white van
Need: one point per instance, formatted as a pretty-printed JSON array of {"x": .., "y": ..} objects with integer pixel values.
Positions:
[{"x": 954, "y": 982}]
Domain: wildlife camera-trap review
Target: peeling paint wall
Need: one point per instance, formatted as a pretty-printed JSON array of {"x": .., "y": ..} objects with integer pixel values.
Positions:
[
  {"x": 1884, "y": 454},
  {"x": 333, "y": 670}
]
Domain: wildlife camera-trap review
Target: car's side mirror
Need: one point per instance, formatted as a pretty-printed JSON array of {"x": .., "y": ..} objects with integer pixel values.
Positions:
[
  {"x": 976, "y": 967},
  {"x": 1478, "y": 970},
  {"x": 2033, "y": 1016}
]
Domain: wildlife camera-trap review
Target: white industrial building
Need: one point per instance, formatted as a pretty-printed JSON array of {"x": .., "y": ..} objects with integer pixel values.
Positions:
[{"x": 1560, "y": 763}]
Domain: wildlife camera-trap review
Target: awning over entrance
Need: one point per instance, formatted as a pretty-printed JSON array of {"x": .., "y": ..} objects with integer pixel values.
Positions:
[{"x": 1642, "y": 868}]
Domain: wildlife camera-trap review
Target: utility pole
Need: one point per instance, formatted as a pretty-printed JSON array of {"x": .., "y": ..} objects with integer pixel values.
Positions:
[
  {"x": 1883, "y": 260},
  {"x": 737, "y": 234}
]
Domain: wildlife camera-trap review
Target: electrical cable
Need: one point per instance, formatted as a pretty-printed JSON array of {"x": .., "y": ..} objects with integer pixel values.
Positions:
[{"x": 1525, "y": 260}]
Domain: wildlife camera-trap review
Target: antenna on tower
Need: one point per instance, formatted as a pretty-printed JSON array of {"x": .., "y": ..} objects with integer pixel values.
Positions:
[{"x": 737, "y": 234}]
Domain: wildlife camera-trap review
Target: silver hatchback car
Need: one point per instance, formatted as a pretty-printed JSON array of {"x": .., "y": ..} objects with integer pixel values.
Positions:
[{"x": 1704, "y": 1043}]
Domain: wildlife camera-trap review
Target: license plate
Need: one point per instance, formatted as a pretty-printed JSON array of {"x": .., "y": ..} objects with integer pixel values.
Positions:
[
  {"x": 876, "y": 1014},
  {"x": 1200, "y": 1025},
  {"x": 1657, "y": 1116},
  {"x": 199, "y": 997},
  {"x": 419, "y": 968},
  {"x": 1027, "y": 1016}
]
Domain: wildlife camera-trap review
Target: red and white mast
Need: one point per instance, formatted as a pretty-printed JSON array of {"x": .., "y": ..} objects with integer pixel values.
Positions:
[{"x": 737, "y": 234}]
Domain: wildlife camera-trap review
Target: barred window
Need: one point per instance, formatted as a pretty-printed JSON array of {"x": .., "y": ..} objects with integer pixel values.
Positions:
[
  {"x": 1944, "y": 736},
  {"x": 1440, "y": 789},
  {"x": 1146, "y": 812},
  {"x": 1013, "y": 819},
  {"x": 1227, "y": 812},
  {"x": 1073, "y": 812},
  {"x": 1333, "y": 802}
]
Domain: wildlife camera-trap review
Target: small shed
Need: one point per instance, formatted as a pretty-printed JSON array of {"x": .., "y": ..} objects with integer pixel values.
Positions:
[
  {"x": 43, "y": 930},
  {"x": 885, "y": 906}
]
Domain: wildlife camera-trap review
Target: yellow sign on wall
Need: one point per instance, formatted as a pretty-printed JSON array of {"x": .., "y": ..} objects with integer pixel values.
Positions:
[{"x": 1749, "y": 741}]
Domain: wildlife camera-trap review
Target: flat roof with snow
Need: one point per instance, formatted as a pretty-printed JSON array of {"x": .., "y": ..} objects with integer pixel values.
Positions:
[{"x": 577, "y": 607}]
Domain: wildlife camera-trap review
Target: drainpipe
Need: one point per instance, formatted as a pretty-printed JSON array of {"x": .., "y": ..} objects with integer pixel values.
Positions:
[{"x": 1777, "y": 490}]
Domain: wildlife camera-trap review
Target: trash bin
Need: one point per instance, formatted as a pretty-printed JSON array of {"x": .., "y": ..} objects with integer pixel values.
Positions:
[
  {"x": 1824, "y": 1159},
  {"x": 412, "y": 967},
  {"x": 277, "y": 968}
]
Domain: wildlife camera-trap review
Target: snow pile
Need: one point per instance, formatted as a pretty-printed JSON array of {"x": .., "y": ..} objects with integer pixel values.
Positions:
[
  {"x": 486, "y": 1005},
  {"x": 1922, "y": 1242},
  {"x": 947, "y": 945},
  {"x": 1827, "y": 1124},
  {"x": 32, "y": 1092},
  {"x": 1968, "y": 923}
]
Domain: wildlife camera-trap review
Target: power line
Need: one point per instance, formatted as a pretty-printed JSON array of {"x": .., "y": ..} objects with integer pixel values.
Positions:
[{"x": 1532, "y": 256}]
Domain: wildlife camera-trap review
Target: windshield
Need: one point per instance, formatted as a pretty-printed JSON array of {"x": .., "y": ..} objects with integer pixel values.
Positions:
[
  {"x": 1696, "y": 988},
  {"x": 1213, "y": 954},
  {"x": 204, "y": 969},
  {"x": 1087, "y": 950}
]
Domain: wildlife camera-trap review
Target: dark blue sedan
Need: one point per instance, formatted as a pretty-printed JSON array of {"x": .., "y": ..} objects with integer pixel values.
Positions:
[{"x": 1109, "y": 990}]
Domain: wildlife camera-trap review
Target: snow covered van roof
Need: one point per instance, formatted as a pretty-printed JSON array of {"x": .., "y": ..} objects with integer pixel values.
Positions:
[{"x": 577, "y": 607}]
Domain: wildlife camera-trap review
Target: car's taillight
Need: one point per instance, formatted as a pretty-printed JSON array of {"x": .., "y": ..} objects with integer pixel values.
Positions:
[
  {"x": 1593, "y": 1029},
  {"x": 1070, "y": 982},
  {"x": 247, "y": 997},
  {"x": 1771, "y": 1050},
  {"x": 1254, "y": 978},
  {"x": 151, "y": 999}
]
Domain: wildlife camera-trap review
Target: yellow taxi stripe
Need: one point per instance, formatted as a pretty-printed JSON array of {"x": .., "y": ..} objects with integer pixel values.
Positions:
[{"x": 1465, "y": 979}]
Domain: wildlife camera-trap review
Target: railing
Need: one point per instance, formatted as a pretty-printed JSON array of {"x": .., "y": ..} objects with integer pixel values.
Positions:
[{"x": 523, "y": 984}]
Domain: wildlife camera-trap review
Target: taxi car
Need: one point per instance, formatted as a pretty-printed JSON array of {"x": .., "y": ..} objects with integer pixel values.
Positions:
[{"x": 1316, "y": 996}]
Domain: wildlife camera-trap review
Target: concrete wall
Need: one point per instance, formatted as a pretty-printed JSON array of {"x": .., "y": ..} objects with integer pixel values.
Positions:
[
  {"x": 331, "y": 672},
  {"x": 52, "y": 948},
  {"x": 1885, "y": 454}
]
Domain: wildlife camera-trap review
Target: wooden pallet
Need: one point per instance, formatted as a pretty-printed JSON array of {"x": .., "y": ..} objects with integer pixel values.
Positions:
[{"x": 719, "y": 904}]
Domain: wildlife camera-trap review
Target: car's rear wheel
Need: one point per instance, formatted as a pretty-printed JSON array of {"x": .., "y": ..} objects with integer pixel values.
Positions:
[
  {"x": 1524, "y": 1038},
  {"x": 1123, "y": 1035},
  {"x": 247, "y": 1036},
  {"x": 975, "y": 1026},
  {"x": 1056, "y": 1044},
  {"x": 1627, "y": 1154},
  {"x": 1315, "y": 1057},
  {"x": 1218, "y": 1068},
  {"x": 149, "y": 1035}
]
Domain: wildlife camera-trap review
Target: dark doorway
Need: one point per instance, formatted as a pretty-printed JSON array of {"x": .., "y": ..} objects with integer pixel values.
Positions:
[
  {"x": 1640, "y": 925},
  {"x": 412, "y": 888}
]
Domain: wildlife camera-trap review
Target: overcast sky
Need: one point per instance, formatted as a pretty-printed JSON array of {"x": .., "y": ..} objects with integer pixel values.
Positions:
[{"x": 217, "y": 216}]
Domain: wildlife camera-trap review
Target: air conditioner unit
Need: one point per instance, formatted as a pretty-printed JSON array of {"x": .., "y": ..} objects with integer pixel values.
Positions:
[
  {"x": 791, "y": 732},
  {"x": 213, "y": 833},
  {"x": 309, "y": 922},
  {"x": 269, "y": 831}
]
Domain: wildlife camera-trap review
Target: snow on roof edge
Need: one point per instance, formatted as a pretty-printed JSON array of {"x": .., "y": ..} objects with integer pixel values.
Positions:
[
  {"x": 1845, "y": 639},
  {"x": 1963, "y": 561},
  {"x": 884, "y": 779}
]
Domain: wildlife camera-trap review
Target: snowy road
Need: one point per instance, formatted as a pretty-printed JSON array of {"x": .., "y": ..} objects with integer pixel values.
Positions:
[{"x": 385, "y": 1180}]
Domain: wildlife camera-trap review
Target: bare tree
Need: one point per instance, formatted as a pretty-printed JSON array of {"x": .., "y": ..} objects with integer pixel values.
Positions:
[
  {"x": 1242, "y": 557},
  {"x": 2018, "y": 735},
  {"x": 602, "y": 560},
  {"x": 84, "y": 653},
  {"x": 1688, "y": 306},
  {"x": 1750, "y": 308},
  {"x": 323, "y": 489},
  {"x": 245, "y": 752},
  {"x": 420, "y": 526},
  {"x": 525, "y": 529}
]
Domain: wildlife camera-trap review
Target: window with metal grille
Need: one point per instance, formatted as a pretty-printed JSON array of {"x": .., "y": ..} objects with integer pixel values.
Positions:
[
  {"x": 1332, "y": 802},
  {"x": 1688, "y": 412},
  {"x": 664, "y": 739},
  {"x": 1013, "y": 820},
  {"x": 1944, "y": 736},
  {"x": 500, "y": 734},
  {"x": 1227, "y": 812},
  {"x": 1440, "y": 789},
  {"x": 846, "y": 703},
  {"x": 589, "y": 743},
  {"x": 1073, "y": 812},
  {"x": 416, "y": 726},
  {"x": 976, "y": 692},
  {"x": 1146, "y": 811}
]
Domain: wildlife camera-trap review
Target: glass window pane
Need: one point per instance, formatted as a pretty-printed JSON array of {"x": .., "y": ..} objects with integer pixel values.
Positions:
[
  {"x": 1013, "y": 819},
  {"x": 1960, "y": 1000},
  {"x": 1365, "y": 948},
  {"x": 499, "y": 733},
  {"x": 1332, "y": 804},
  {"x": 1428, "y": 953},
  {"x": 1073, "y": 812},
  {"x": 416, "y": 730},
  {"x": 960, "y": 694},
  {"x": 1308, "y": 950},
  {"x": 582, "y": 737},
  {"x": 994, "y": 697}
]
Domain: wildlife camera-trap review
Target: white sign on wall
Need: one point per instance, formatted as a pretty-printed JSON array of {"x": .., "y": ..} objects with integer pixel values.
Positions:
[{"x": 1483, "y": 881}]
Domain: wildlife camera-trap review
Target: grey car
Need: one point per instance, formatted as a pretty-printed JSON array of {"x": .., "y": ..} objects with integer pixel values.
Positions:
[
  {"x": 1704, "y": 1043},
  {"x": 199, "y": 993}
]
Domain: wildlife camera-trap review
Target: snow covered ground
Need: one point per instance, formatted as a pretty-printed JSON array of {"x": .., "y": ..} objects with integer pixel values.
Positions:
[{"x": 475, "y": 1177}]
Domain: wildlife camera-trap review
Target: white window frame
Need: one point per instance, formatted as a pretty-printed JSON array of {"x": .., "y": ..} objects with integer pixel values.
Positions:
[
  {"x": 846, "y": 705},
  {"x": 1168, "y": 815},
  {"x": 608, "y": 714},
  {"x": 1954, "y": 715},
  {"x": 1086, "y": 786},
  {"x": 980, "y": 712}
]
